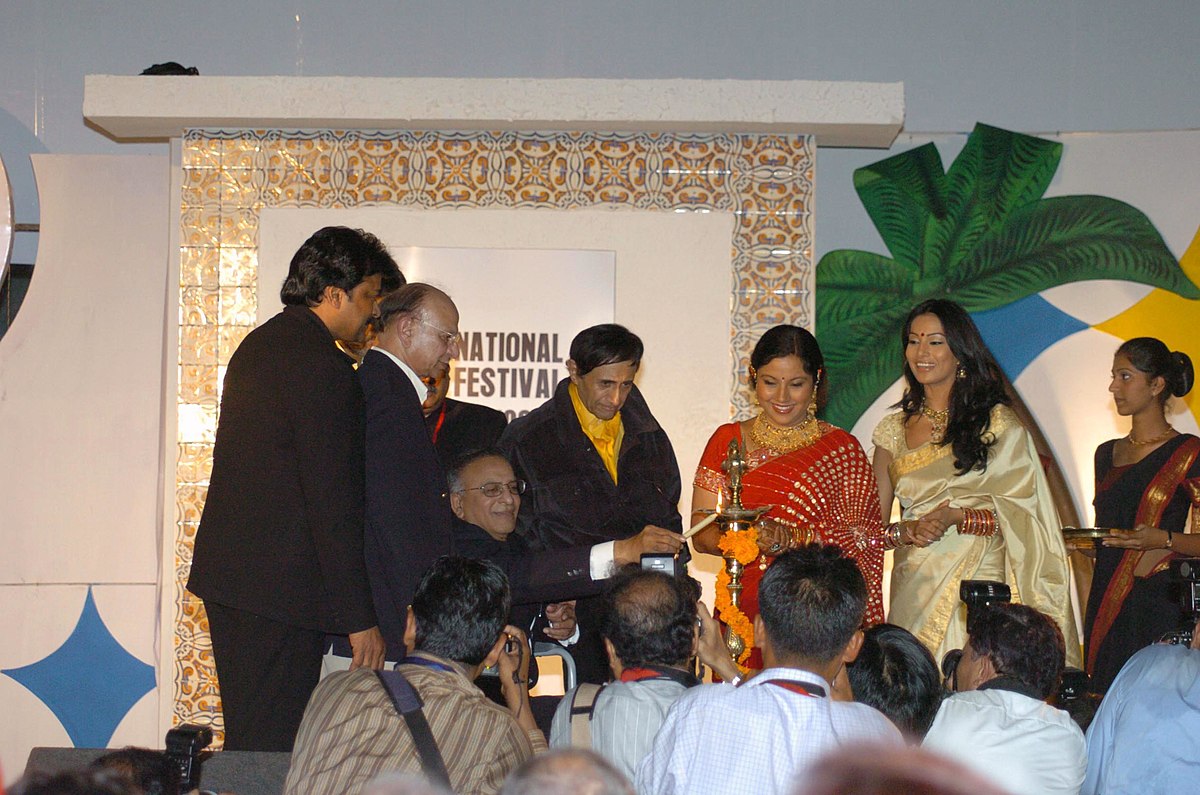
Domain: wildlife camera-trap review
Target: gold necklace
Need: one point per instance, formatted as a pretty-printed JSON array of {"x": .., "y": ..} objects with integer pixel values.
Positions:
[
  {"x": 938, "y": 420},
  {"x": 784, "y": 440},
  {"x": 1153, "y": 440}
]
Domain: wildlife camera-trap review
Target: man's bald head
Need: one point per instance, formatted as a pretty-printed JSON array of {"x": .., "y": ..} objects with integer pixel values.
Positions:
[
  {"x": 570, "y": 771},
  {"x": 419, "y": 325}
]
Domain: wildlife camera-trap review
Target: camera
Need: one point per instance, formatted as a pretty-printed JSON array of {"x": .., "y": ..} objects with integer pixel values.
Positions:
[
  {"x": 184, "y": 746},
  {"x": 1185, "y": 574},
  {"x": 975, "y": 594},
  {"x": 660, "y": 561}
]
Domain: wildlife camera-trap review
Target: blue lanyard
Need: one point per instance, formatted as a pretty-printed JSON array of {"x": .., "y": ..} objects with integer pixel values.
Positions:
[{"x": 427, "y": 664}]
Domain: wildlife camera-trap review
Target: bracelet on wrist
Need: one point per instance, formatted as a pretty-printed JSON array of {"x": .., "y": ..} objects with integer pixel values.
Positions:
[
  {"x": 978, "y": 522},
  {"x": 891, "y": 536},
  {"x": 1170, "y": 540}
]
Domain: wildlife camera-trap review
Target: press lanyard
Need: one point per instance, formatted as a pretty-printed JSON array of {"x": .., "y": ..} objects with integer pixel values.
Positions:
[{"x": 800, "y": 688}]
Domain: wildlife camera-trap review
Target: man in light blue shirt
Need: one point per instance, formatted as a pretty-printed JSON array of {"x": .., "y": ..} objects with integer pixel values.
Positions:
[
  {"x": 650, "y": 636},
  {"x": 1146, "y": 735},
  {"x": 761, "y": 736}
]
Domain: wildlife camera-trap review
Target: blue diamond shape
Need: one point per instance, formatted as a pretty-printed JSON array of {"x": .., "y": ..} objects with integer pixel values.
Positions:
[
  {"x": 1019, "y": 332},
  {"x": 90, "y": 682}
]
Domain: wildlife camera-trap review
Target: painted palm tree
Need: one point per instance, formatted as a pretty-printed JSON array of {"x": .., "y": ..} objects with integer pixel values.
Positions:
[{"x": 980, "y": 234}]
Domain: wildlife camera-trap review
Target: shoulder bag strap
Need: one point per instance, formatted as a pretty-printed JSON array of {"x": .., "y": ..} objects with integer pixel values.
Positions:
[
  {"x": 408, "y": 704},
  {"x": 582, "y": 706}
]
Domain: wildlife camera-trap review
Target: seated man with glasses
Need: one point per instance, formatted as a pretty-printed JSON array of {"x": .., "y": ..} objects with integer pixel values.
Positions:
[{"x": 485, "y": 497}]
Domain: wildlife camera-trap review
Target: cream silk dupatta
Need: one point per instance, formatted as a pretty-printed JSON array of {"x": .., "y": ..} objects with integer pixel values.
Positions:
[{"x": 1028, "y": 553}]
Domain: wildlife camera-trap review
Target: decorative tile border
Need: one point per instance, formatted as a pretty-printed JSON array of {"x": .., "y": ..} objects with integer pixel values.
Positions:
[{"x": 766, "y": 181}]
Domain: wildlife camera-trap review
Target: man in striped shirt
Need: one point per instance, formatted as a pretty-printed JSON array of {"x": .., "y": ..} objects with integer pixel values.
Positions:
[
  {"x": 352, "y": 731},
  {"x": 649, "y": 630}
]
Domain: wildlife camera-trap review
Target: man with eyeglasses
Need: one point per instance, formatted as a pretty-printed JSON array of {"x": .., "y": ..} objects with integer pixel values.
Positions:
[
  {"x": 485, "y": 497},
  {"x": 408, "y": 508}
]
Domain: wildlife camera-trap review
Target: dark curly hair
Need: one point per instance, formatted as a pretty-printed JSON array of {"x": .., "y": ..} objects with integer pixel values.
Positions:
[
  {"x": 1021, "y": 642},
  {"x": 1152, "y": 357},
  {"x": 461, "y": 607},
  {"x": 650, "y": 617},
  {"x": 972, "y": 397},
  {"x": 337, "y": 256}
]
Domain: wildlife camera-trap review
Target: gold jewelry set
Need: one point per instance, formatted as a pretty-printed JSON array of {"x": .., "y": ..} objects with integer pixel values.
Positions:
[
  {"x": 784, "y": 440},
  {"x": 938, "y": 420}
]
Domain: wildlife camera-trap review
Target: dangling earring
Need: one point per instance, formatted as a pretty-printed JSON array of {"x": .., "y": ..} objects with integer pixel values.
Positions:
[
  {"x": 812, "y": 402},
  {"x": 961, "y": 373},
  {"x": 752, "y": 380}
]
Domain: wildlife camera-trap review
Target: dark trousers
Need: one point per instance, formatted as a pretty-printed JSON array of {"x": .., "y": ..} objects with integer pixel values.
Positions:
[
  {"x": 267, "y": 671},
  {"x": 591, "y": 661}
]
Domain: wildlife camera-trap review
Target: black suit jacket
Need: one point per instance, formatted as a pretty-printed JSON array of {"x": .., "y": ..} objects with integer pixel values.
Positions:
[
  {"x": 460, "y": 428},
  {"x": 534, "y": 577},
  {"x": 408, "y": 508},
  {"x": 572, "y": 500},
  {"x": 282, "y": 531}
]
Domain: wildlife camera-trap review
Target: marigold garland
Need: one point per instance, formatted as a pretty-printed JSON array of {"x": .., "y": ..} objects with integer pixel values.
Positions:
[{"x": 742, "y": 546}]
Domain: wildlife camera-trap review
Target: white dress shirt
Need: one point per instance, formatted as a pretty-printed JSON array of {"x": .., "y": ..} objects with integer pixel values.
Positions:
[
  {"x": 755, "y": 738},
  {"x": 418, "y": 385},
  {"x": 1024, "y": 745}
]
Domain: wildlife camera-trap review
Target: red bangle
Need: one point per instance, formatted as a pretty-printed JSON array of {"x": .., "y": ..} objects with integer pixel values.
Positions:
[{"x": 977, "y": 522}]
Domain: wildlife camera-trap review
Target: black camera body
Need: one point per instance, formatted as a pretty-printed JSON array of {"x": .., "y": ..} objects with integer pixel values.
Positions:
[
  {"x": 975, "y": 594},
  {"x": 661, "y": 561},
  {"x": 1185, "y": 573},
  {"x": 184, "y": 744}
]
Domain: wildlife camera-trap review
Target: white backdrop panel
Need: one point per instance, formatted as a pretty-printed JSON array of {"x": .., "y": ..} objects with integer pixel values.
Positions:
[
  {"x": 673, "y": 284},
  {"x": 81, "y": 373}
]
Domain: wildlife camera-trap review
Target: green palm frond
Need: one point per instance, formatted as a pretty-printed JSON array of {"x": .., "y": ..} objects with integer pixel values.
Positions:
[{"x": 979, "y": 233}]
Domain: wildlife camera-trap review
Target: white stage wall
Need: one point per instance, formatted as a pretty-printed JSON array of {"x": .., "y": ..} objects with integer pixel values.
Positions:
[{"x": 81, "y": 374}]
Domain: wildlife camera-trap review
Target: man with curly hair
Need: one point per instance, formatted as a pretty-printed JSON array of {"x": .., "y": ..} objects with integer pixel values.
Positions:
[{"x": 998, "y": 723}]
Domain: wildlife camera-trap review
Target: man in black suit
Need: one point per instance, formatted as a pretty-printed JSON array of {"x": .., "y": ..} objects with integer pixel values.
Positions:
[
  {"x": 458, "y": 427},
  {"x": 485, "y": 496},
  {"x": 278, "y": 558},
  {"x": 599, "y": 466},
  {"x": 408, "y": 507}
]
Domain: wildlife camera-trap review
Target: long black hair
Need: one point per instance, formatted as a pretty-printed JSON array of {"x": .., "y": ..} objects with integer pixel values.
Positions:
[{"x": 974, "y": 394}]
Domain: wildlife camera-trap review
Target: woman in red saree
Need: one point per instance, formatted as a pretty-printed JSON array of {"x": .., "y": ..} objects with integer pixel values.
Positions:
[
  {"x": 1146, "y": 483},
  {"x": 815, "y": 476}
]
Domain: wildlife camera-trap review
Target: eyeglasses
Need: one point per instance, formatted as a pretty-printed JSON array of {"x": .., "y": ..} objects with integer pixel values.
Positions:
[
  {"x": 494, "y": 490},
  {"x": 448, "y": 337}
]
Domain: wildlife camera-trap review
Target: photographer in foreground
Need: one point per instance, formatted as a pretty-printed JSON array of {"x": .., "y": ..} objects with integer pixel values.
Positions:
[
  {"x": 998, "y": 723},
  {"x": 355, "y": 725}
]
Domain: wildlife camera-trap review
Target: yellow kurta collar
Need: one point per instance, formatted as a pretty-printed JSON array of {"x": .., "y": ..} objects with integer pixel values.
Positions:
[{"x": 606, "y": 435}]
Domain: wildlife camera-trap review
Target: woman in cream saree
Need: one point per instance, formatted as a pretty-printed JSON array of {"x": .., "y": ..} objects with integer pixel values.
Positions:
[{"x": 975, "y": 504}]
